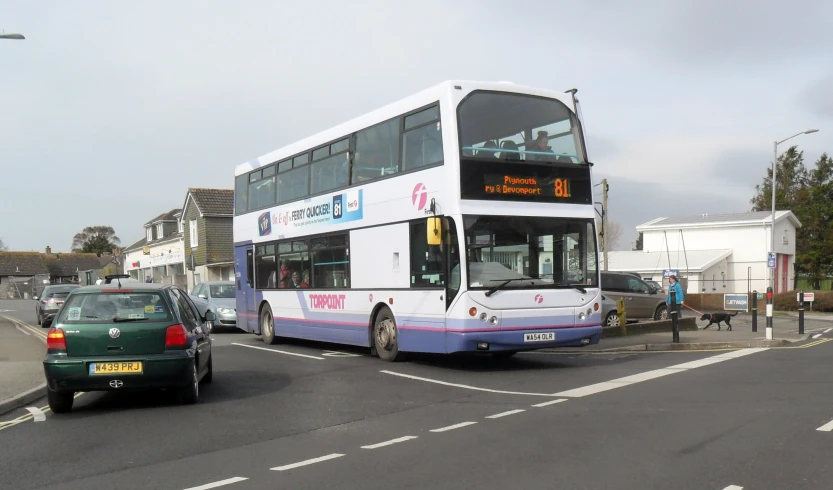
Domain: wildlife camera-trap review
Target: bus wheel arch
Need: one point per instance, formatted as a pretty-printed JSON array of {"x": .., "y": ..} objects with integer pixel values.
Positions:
[
  {"x": 266, "y": 323},
  {"x": 384, "y": 334}
]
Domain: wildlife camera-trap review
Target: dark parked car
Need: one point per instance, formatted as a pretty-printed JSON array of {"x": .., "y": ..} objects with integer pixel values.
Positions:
[
  {"x": 112, "y": 338},
  {"x": 641, "y": 300},
  {"x": 50, "y": 301}
]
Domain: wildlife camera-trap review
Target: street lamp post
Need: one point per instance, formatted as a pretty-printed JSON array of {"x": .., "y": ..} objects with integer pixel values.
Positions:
[{"x": 771, "y": 288}]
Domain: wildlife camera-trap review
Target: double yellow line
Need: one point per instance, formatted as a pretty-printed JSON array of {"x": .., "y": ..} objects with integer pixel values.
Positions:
[
  {"x": 811, "y": 344},
  {"x": 39, "y": 333}
]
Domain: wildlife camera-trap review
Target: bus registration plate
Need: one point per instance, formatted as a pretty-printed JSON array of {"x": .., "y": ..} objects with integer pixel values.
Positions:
[{"x": 539, "y": 336}]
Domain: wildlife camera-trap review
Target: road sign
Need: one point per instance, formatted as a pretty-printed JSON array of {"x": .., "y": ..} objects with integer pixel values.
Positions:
[
  {"x": 760, "y": 295},
  {"x": 736, "y": 302},
  {"x": 808, "y": 297},
  {"x": 770, "y": 261}
]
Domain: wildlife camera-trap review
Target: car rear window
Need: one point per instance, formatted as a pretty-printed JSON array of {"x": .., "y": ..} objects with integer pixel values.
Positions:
[{"x": 115, "y": 307}]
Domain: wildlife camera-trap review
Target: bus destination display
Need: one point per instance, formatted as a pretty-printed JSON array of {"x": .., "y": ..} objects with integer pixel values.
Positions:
[{"x": 526, "y": 186}]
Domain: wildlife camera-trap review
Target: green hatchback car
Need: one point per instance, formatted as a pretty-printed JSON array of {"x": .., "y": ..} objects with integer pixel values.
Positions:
[{"x": 117, "y": 337}]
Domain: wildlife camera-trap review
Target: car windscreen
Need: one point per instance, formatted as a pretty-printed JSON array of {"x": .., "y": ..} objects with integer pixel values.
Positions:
[
  {"x": 109, "y": 307},
  {"x": 222, "y": 291}
]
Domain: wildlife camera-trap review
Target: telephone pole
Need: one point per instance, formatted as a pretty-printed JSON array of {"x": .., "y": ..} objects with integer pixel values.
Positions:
[{"x": 604, "y": 220}]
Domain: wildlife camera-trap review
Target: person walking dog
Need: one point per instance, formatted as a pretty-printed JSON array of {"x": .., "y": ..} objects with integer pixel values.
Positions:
[{"x": 679, "y": 295}]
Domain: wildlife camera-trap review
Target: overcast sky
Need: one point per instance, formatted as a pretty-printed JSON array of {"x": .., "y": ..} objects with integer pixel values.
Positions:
[{"x": 111, "y": 110}]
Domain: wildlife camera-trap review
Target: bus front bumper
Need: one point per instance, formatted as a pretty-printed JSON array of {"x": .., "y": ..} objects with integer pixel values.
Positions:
[{"x": 519, "y": 340}]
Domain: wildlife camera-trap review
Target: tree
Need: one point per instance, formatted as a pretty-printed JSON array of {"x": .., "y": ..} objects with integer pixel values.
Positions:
[
  {"x": 638, "y": 244},
  {"x": 614, "y": 234},
  {"x": 809, "y": 195},
  {"x": 3, "y": 246},
  {"x": 95, "y": 239}
]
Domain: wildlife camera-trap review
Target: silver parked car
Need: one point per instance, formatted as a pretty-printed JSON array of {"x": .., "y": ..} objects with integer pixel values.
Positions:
[{"x": 219, "y": 297}]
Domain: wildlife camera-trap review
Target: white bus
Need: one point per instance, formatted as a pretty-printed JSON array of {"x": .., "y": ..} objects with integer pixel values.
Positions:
[{"x": 459, "y": 219}]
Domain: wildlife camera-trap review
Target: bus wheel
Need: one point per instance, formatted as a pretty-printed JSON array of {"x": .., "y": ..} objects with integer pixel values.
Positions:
[
  {"x": 267, "y": 325},
  {"x": 385, "y": 335}
]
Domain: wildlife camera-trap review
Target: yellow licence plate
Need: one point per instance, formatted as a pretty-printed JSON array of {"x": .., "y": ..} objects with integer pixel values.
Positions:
[{"x": 125, "y": 367}]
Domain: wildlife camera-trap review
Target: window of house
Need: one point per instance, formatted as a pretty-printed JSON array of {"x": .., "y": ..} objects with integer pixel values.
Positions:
[
  {"x": 149, "y": 233},
  {"x": 160, "y": 230},
  {"x": 193, "y": 232},
  {"x": 179, "y": 226}
]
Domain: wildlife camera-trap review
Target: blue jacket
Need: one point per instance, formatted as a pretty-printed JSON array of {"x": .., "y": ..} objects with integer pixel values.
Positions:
[{"x": 678, "y": 290}]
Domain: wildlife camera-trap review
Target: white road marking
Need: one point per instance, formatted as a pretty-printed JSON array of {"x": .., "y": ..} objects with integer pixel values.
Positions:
[
  {"x": 452, "y": 427},
  {"x": 828, "y": 330},
  {"x": 37, "y": 414},
  {"x": 220, "y": 483},
  {"x": 307, "y": 462},
  {"x": 331, "y": 353},
  {"x": 280, "y": 351},
  {"x": 24, "y": 332},
  {"x": 551, "y": 402},
  {"x": 733, "y": 487},
  {"x": 390, "y": 442},
  {"x": 826, "y": 427},
  {"x": 504, "y": 414},
  {"x": 428, "y": 380},
  {"x": 816, "y": 335},
  {"x": 657, "y": 373}
]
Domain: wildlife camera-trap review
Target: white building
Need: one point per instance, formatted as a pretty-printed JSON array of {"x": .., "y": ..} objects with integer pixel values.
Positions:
[
  {"x": 160, "y": 255},
  {"x": 719, "y": 253}
]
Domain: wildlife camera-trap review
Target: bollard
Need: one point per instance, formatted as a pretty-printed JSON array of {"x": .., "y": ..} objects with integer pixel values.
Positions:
[
  {"x": 623, "y": 318},
  {"x": 754, "y": 311},
  {"x": 675, "y": 328},
  {"x": 801, "y": 313},
  {"x": 769, "y": 313}
]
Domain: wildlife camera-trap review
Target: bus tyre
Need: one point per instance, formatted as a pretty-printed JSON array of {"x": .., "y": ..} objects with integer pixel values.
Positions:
[
  {"x": 385, "y": 335},
  {"x": 267, "y": 325}
]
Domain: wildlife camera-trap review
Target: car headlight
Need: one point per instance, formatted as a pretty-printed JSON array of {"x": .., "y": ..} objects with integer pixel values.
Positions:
[{"x": 225, "y": 311}]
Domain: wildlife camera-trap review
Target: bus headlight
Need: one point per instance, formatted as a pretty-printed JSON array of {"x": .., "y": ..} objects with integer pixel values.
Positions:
[
  {"x": 493, "y": 320},
  {"x": 483, "y": 316},
  {"x": 581, "y": 316}
]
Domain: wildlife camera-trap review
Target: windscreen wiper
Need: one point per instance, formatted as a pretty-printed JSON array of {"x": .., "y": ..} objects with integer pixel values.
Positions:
[
  {"x": 572, "y": 286},
  {"x": 504, "y": 283},
  {"x": 120, "y": 320}
]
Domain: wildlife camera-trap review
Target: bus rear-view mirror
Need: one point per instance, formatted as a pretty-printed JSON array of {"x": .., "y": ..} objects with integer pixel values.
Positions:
[{"x": 435, "y": 231}]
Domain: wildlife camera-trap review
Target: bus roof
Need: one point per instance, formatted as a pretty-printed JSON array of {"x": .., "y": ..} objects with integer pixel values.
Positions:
[{"x": 414, "y": 101}]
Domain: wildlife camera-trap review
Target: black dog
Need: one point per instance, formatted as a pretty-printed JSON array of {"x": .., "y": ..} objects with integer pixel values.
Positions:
[{"x": 717, "y": 318}]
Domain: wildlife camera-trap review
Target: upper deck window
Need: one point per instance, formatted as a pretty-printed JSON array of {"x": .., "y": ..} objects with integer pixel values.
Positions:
[{"x": 515, "y": 127}]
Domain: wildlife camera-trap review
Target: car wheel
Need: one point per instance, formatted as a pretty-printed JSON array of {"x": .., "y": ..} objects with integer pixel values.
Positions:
[
  {"x": 661, "y": 313},
  {"x": 190, "y": 393},
  {"x": 209, "y": 374},
  {"x": 60, "y": 401},
  {"x": 267, "y": 325},
  {"x": 37, "y": 313},
  {"x": 385, "y": 336},
  {"x": 612, "y": 319}
]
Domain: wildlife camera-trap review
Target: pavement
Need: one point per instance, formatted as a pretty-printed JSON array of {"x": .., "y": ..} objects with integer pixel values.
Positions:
[
  {"x": 306, "y": 415},
  {"x": 22, "y": 348}
]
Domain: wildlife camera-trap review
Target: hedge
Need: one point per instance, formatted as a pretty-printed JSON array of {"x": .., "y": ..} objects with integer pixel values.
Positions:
[{"x": 783, "y": 301}]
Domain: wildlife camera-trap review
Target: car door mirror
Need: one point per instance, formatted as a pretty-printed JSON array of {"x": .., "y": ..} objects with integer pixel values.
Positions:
[
  {"x": 35, "y": 298},
  {"x": 202, "y": 296},
  {"x": 210, "y": 316}
]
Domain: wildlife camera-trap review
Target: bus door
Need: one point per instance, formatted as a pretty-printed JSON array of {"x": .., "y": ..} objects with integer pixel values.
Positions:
[{"x": 244, "y": 264}]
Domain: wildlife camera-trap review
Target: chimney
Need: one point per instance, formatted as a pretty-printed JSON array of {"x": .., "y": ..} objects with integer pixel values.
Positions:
[{"x": 48, "y": 250}]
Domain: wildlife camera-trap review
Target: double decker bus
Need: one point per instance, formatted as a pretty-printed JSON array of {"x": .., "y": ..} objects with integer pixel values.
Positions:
[{"x": 459, "y": 219}]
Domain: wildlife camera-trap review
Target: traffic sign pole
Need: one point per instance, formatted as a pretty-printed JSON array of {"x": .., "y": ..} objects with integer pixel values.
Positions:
[
  {"x": 754, "y": 311},
  {"x": 801, "y": 313}
]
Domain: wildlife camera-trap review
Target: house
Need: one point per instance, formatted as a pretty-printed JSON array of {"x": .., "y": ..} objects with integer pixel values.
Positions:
[
  {"x": 158, "y": 256},
  {"x": 715, "y": 253},
  {"x": 21, "y": 273},
  {"x": 25, "y": 274},
  {"x": 207, "y": 224}
]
